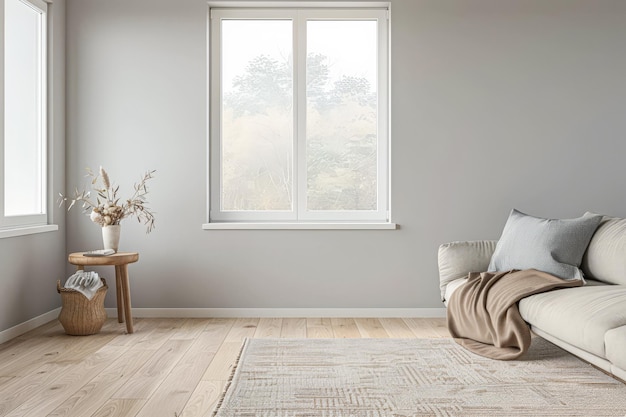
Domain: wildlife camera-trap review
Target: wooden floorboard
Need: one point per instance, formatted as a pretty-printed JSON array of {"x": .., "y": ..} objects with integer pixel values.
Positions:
[
  {"x": 319, "y": 328},
  {"x": 293, "y": 328},
  {"x": 371, "y": 327},
  {"x": 344, "y": 328},
  {"x": 176, "y": 367}
]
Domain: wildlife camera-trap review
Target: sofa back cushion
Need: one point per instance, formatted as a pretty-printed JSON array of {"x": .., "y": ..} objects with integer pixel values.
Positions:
[{"x": 605, "y": 258}]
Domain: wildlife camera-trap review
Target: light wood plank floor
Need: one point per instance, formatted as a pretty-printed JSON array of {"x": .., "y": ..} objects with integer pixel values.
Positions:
[{"x": 167, "y": 368}]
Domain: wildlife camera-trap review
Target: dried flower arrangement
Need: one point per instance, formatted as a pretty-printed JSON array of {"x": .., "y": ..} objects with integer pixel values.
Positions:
[{"x": 107, "y": 210}]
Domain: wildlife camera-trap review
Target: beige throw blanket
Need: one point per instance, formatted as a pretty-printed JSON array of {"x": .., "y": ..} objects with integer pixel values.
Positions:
[{"x": 483, "y": 315}]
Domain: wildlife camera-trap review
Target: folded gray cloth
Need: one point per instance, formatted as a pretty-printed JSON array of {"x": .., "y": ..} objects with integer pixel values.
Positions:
[{"x": 85, "y": 282}]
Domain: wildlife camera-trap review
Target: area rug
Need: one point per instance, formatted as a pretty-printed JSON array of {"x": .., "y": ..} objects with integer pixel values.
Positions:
[{"x": 412, "y": 377}]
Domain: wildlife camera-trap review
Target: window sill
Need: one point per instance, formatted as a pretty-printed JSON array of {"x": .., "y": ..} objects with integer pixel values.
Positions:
[
  {"x": 29, "y": 230},
  {"x": 299, "y": 226}
]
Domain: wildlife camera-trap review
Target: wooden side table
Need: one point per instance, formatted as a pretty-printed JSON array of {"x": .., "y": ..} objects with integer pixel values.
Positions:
[{"x": 122, "y": 286}]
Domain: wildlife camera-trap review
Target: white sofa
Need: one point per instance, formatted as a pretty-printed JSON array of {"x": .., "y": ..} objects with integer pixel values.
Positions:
[{"x": 588, "y": 321}]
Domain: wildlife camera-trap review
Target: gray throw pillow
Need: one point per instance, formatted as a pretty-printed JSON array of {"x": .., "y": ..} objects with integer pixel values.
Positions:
[{"x": 555, "y": 246}]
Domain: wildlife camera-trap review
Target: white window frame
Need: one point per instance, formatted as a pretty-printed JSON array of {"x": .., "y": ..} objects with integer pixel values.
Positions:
[
  {"x": 27, "y": 224},
  {"x": 299, "y": 13}
]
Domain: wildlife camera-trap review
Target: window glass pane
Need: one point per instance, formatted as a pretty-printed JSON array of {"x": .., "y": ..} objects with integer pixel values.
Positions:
[
  {"x": 341, "y": 127},
  {"x": 257, "y": 115},
  {"x": 23, "y": 110}
]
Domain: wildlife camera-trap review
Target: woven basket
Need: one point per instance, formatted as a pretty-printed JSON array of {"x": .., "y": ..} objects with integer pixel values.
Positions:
[{"x": 80, "y": 316}]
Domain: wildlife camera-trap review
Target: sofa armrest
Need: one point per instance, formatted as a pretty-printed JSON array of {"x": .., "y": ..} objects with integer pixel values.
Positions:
[{"x": 457, "y": 259}]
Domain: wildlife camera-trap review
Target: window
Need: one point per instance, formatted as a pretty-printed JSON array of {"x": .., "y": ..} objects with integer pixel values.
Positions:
[
  {"x": 23, "y": 117},
  {"x": 298, "y": 115}
]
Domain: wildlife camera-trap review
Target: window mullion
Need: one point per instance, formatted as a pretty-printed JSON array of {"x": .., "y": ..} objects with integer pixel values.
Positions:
[{"x": 300, "y": 52}]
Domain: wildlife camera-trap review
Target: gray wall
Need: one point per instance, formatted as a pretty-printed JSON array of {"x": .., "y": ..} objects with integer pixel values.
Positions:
[
  {"x": 495, "y": 104},
  {"x": 32, "y": 264}
]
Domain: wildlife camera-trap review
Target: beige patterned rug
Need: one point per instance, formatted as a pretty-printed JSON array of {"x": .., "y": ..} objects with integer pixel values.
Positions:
[{"x": 412, "y": 377}]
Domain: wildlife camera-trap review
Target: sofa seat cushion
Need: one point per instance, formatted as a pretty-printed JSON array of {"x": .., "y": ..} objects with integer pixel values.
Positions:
[
  {"x": 580, "y": 316},
  {"x": 615, "y": 341},
  {"x": 452, "y": 287}
]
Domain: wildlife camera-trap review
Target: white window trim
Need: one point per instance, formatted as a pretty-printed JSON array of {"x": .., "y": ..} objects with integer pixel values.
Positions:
[
  {"x": 29, "y": 230},
  {"x": 14, "y": 226},
  {"x": 299, "y": 4},
  {"x": 217, "y": 219}
]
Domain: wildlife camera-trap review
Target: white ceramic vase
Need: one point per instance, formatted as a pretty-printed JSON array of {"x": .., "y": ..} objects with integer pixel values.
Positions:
[{"x": 111, "y": 236}]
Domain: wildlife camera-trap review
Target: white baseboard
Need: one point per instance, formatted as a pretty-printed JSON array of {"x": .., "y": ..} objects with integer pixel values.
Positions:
[
  {"x": 282, "y": 312},
  {"x": 29, "y": 325}
]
